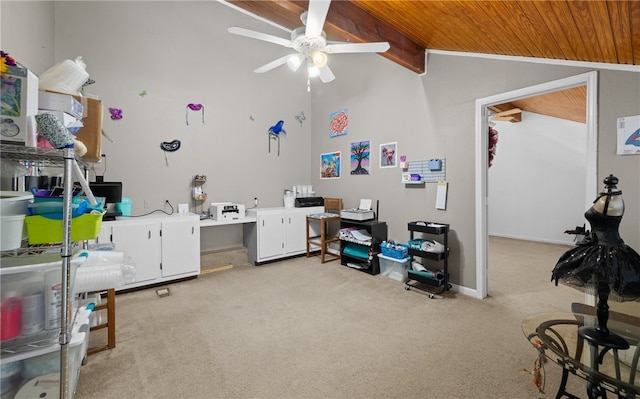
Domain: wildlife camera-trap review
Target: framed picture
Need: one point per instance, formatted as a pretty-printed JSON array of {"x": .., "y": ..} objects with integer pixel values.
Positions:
[
  {"x": 330, "y": 165},
  {"x": 388, "y": 157},
  {"x": 360, "y": 157},
  {"x": 339, "y": 123}
]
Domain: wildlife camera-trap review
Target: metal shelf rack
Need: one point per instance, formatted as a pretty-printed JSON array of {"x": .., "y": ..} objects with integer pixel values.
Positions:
[{"x": 57, "y": 158}]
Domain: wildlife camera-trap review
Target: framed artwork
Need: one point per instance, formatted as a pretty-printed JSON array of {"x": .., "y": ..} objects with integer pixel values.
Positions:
[
  {"x": 388, "y": 157},
  {"x": 628, "y": 135},
  {"x": 330, "y": 165},
  {"x": 360, "y": 157},
  {"x": 339, "y": 123}
]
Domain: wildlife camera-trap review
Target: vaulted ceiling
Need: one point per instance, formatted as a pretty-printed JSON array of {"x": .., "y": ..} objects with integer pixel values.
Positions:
[
  {"x": 567, "y": 30},
  {"x": 575, "y": 30}
]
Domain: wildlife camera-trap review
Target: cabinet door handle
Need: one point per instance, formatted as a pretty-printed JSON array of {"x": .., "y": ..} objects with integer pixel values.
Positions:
[
  {"x": 192, "y": 230},
  {"x": 148, "y": 238}
]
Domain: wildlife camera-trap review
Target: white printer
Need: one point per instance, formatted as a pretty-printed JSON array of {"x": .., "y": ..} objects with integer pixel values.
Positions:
[
  {"x": 226, "y": 211},
  {"x": 362, "y": 213}
]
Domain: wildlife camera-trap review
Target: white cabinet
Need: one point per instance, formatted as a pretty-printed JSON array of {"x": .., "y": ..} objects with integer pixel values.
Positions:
[
  {"x": 278, "y": 233},
  {"x": 180, "y": 247},
  {"x": 296, "y": 231},
  {"x": 163, "y": 248},
  {"x": 141, "y": 243}
]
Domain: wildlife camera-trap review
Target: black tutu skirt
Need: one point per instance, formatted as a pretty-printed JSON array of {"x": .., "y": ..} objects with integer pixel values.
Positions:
[{"x": 590, "y": 262}]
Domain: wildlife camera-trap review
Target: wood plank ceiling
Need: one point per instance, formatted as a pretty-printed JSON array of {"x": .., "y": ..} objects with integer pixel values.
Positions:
[{"x": 573, "y": 30}]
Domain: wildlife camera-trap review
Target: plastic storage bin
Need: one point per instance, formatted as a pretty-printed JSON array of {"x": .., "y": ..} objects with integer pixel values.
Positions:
[
  {"x": 14, "y": 202},
  {"x": 395, "y": 269},
  {"x": 23, "y": 373},
  {"x": 125, "y": 206},
  {"x": 396, "y": 251},
  {"x": 35, "y": 283},
  {"x": 11, "y": 229},
  {"x": 41, "y": 230},
  {"x": 54, "y": 209}
]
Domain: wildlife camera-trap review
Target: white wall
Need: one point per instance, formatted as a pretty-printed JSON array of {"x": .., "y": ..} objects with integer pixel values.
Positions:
[
  {"x": 536, "y": 183},
  {"x": 434, "y": 116},
  {"x": 27, "y": 33}
]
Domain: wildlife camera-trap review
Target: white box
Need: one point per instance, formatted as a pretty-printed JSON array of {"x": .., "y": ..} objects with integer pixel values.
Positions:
[
  {"x": 19, "y": 105},
  {"x": 60, "y": 102},
  {"x": 395, "y": 269}
]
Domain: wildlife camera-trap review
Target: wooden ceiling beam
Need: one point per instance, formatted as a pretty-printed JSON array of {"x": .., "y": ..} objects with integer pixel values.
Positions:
[{"x": 345, "y": 22}]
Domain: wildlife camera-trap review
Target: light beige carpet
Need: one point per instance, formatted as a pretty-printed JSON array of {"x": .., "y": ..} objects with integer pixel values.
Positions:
[{"x": 301, "y": 329}]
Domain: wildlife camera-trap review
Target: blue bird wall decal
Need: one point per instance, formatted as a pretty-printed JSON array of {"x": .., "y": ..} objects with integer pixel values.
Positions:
[{"x": 274, "y": 133}]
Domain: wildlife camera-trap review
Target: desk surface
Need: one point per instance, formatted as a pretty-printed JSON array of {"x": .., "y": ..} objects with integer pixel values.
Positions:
[
  {"x": 210, "y": 222},
  {"x": 556, "y": 337}
]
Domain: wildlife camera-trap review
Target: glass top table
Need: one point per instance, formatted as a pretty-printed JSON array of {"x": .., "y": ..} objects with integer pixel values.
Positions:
[{"x": 556, "y": 337}]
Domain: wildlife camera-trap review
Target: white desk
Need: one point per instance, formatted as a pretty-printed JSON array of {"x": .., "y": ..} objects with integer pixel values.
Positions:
[
  {"x": 210, "y": 222},
  {"x": 221, "y": 234}
]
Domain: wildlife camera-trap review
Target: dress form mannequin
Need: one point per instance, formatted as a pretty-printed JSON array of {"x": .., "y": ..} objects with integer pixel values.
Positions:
[{"x": 603, "y": 261}]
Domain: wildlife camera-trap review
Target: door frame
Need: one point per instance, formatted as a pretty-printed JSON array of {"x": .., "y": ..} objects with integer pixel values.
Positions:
[{"x": 590, "y": 79}]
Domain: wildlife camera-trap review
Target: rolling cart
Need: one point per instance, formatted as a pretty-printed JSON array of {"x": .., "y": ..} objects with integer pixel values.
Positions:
[{"x": 437, "y": 279}]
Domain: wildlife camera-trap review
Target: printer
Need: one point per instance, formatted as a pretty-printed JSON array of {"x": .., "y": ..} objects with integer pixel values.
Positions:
[
  {"x": 226, "y": 211},
  {"x": 360, "y": 214},
  {"x": 306, "y": 202}
]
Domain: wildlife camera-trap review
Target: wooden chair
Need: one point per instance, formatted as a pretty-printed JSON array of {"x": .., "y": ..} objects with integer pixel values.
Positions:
[
  {"x": 110, "y": 324},
  {"x": 332, "y": 208}
]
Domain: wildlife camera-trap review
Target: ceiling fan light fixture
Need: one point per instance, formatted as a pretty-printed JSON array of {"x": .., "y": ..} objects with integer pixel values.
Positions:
[
  {"x": 319, "y": 58},
  {"x": 312, "y": 70},
  {"x": 294, "y": 61}
]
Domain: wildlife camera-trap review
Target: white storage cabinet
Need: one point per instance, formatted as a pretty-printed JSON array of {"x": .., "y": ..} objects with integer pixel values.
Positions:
[
  {"x": 163, "y": 248},
  {"x": 278, "y": 233}
]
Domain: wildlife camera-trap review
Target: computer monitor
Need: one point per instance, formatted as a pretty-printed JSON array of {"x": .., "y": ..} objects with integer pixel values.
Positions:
[{"x": 111, "y": 192}]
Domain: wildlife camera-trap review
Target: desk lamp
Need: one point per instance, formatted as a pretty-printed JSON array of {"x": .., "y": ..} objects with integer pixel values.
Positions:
[{"x": 603, "y": 262}]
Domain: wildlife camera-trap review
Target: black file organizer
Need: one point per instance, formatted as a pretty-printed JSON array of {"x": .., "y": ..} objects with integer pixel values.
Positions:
[{"x": 443, "y": 284}]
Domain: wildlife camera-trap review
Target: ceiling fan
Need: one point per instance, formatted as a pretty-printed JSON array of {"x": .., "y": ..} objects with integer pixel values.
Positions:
[{"x": 310, "y": 43}]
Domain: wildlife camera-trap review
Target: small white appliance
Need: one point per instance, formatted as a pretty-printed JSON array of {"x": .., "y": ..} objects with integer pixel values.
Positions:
[{"x": 226, "y": 211}]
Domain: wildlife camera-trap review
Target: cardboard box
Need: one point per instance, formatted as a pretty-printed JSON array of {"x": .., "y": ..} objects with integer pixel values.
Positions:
[
  {"x": 19, "y": 105},
  {"x": 91, "y": 133}
]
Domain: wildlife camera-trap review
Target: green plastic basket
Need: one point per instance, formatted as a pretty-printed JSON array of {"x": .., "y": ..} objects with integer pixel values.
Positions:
[{"x": 42, "y": 230}]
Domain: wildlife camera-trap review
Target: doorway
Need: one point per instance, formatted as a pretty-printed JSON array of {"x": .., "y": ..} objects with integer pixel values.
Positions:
[{"x": 481, "y": 168}]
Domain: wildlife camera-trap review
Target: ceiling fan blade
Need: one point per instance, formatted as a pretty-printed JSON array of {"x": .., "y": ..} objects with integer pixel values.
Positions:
[
  {"x": 273, "y": 64},
  {"x": 260, "y": 36},
  {"x": 377, "y": 47},
  {"x": 315, "y": 17},
  {"x": 326, "y": 75}
]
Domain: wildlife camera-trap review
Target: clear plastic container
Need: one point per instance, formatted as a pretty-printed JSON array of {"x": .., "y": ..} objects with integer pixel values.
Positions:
[{"x": 65, "y": 77}]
